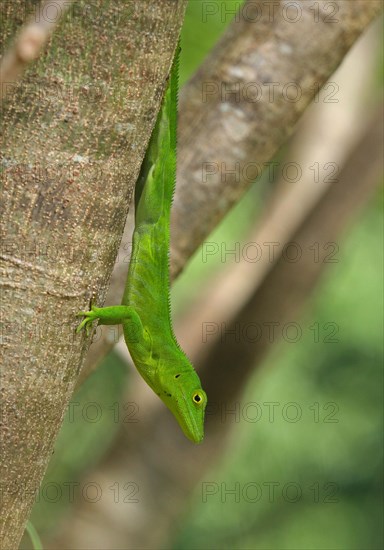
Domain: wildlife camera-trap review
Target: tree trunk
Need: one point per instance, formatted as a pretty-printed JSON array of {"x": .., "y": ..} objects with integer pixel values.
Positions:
[{"x": 74, "y": 132}]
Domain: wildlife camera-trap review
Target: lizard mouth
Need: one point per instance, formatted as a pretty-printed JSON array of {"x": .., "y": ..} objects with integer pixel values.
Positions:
[{"x": 192, "y": 426}]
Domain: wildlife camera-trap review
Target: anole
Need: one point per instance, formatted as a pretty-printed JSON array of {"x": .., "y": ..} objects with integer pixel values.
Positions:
[{"x": 145, "y": 310}]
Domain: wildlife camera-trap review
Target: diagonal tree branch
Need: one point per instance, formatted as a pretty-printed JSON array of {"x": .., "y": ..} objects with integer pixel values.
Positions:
[
  {"x": 30, "y": 42},
  {"x": 324, "y": 135},
  {"x": 245, "y": 100}
]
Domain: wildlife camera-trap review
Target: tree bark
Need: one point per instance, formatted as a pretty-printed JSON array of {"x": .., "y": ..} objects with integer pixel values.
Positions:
[
  {"x": 245, "y": 100},
  {"x": 74, "y": 132}
]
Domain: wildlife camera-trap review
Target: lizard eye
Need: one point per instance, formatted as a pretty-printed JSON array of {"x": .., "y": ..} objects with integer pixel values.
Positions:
[{"x": 198, "y": 397}]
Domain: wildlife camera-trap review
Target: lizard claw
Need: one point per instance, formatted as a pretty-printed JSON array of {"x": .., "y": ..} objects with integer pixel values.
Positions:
[{"x": 86, "y": 323}]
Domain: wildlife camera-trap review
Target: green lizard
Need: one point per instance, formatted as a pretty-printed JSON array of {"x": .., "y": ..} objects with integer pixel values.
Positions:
[{"x": 145, "y": 309}]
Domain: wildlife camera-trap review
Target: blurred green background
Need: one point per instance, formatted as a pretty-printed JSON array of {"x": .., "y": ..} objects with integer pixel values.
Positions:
[{"x": 325, "y": 465}]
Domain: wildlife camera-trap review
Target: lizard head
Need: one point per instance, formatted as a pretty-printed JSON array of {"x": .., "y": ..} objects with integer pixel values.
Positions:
[{"x": 181, "y": 391}]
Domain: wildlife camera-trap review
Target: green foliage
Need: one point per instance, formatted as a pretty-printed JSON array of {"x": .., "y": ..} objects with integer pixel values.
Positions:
[
  {"x": 328, "y": 460},
  {"x": 34, "y": 536},
  {"x": 196, "y": 42}
]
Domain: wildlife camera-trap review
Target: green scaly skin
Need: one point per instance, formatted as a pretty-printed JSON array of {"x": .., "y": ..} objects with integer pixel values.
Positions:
[{"x": 145, "y": 313}]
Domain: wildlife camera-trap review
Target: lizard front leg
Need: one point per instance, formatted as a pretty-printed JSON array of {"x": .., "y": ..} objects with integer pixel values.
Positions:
[
  {"x": 115, "y": 315},
  {"x": 134, "y": 332}
]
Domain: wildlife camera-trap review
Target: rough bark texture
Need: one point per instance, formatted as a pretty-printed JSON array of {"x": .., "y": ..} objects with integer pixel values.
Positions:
[
  {"x": 74, "y": 132},
  {"x": 246, "y": 99}
]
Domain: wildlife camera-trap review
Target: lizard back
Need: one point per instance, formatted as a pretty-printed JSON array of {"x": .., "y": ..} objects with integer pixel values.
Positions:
[{"x": 148, "y": 283}]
